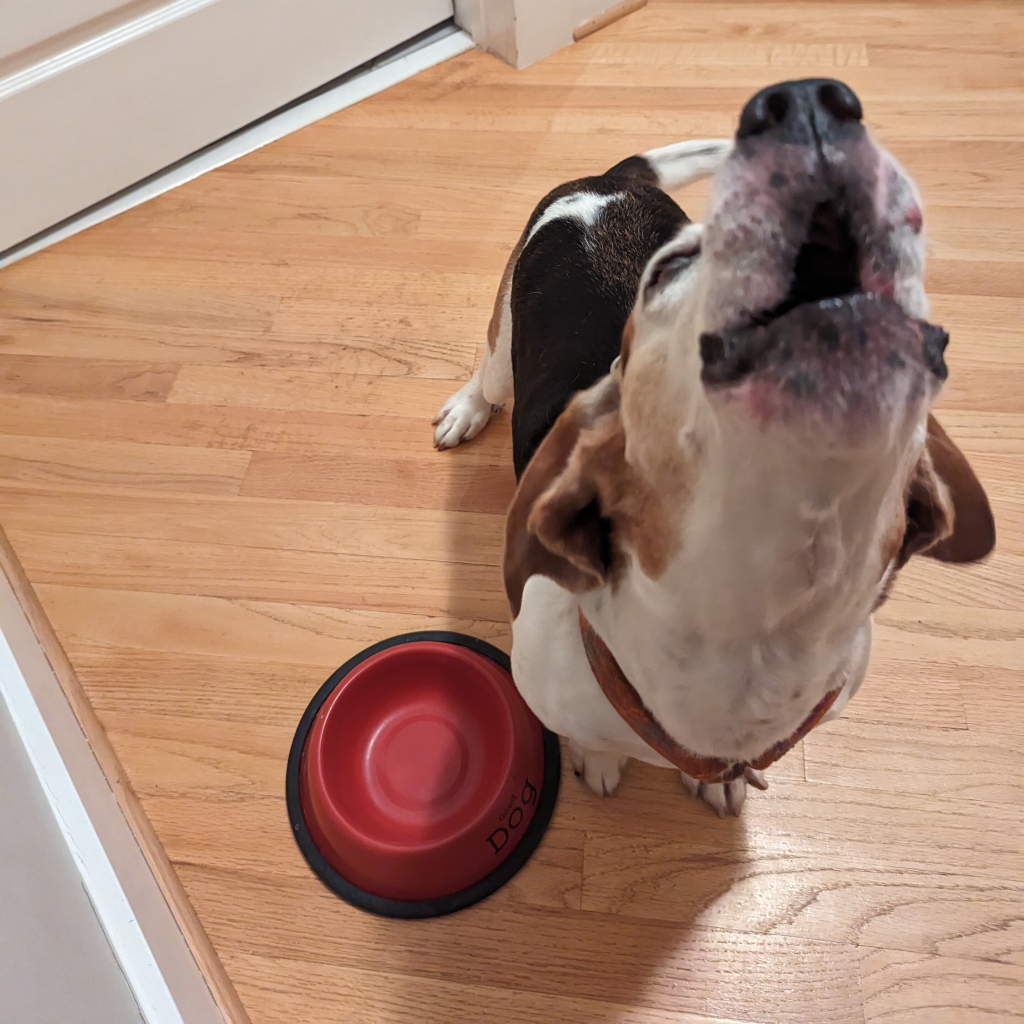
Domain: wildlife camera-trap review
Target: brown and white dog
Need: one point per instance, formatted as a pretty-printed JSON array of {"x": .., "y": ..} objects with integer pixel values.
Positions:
[{"x": 723, "y": 441}]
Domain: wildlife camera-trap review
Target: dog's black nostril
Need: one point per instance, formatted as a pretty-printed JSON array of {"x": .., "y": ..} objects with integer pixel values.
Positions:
[
  {"x": 840, "y": 101},
  {"x": 778, "y": 107},
  {"x": 934, "y": 344},
  {"x": 767, "y": 110},
  {"x": 712, "y": 349}
]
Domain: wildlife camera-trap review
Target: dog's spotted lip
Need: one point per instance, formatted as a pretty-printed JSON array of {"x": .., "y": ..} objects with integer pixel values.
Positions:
[
  {"x": 842, "y": 344},
  {"x": 824, "y": 300}
]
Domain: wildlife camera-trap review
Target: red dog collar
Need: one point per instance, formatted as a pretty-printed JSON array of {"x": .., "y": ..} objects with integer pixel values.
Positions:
[{"x": 629, "y": 704}]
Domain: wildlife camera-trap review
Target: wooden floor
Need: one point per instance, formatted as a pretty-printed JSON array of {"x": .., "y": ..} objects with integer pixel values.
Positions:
[{"x": 217, "y": 472}]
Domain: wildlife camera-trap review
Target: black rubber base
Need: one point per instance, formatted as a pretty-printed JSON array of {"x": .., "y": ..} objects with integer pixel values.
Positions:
[{"x": 445, "y": 904}]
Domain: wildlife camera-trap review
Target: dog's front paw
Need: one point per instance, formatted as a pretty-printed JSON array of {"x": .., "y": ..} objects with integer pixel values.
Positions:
[
  {"x": 602, "y": 772},
  {"x": 724, "y": 797},
  {"x": 463, "y": 416}
]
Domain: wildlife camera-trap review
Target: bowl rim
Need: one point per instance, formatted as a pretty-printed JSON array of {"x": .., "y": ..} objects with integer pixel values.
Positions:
[{"x": 410, "y": 909}]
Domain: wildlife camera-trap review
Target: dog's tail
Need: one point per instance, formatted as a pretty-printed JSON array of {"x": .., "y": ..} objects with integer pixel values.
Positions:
[{"x": 672, "y": 167}]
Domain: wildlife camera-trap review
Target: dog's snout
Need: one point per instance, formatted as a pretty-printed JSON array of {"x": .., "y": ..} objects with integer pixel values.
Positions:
[{"x": 800, "y": 111}]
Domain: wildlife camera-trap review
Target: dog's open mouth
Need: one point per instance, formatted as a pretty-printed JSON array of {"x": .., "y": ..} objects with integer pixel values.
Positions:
[
  {"x": 826, "y": 267},
  {"x": 827, "y": 264},
  {"x": 827, "y": 338}
]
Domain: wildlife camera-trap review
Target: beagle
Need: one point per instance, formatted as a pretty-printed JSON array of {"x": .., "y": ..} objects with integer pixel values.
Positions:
[{"x": 722, "y": 438}]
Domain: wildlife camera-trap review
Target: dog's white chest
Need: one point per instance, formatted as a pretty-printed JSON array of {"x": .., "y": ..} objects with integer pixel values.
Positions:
[{"x": 722, "y": 700}]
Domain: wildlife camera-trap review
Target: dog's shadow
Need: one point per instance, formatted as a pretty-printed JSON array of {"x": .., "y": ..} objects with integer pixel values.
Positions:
[{"x": 614, "y": 908}]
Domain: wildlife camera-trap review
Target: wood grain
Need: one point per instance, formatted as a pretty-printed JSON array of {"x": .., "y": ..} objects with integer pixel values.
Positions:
[
  {"x": 85, "y": 378},
  {"x": 43, "y": 460},
  {"x": 216, "y": 471}
]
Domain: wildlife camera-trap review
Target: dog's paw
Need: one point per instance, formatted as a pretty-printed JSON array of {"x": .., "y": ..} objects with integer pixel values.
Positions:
[
  {"x": 602, "y": 772},
  {"x": 724, "y": 797},
  {"x": 463, "y": 416}
]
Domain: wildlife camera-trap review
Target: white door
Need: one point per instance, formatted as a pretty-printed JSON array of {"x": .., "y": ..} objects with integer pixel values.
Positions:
[{"x": 97, "y": 94}]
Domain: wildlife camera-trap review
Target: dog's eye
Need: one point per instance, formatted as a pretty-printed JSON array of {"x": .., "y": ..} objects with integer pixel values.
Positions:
[{"x": 670, "y": 266}]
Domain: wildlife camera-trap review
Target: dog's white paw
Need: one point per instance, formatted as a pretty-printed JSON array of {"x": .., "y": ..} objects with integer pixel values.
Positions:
[
  {"x": 463, "y": 416},
  {"x": 602, "y": 772},
  {"x": 724, "y": 797}
]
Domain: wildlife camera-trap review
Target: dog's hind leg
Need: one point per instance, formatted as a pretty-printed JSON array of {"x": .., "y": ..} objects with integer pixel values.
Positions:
[{"x": 466, "y": 412}]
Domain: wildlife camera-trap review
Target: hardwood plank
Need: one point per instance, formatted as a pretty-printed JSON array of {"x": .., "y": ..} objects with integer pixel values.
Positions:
[
  {"x": 218, "y": 801},
  {"x": 959, "y": 764},
  {"x": 554, "y": 875},
  {"x": 945, "y": 168},
  {"x": 947, "y": 23},
  {"x": 63, "y": 377},
  {"x": 240, "y": 428},
  {"x": 194, "y": 828},
  {"x": 591, "y": 109},
  {"x": 992, "y": 584},
  {"x": 444, "y": 480},
  {"x": 314, "y": 322},
  {"x": 869, "y": 828},
  {"x": 282, "y": 524},
  {"x": 206, "y": 760},
  {"x": 122, "y": 464},
  {"x": 922, "y": 989},
  {"x": 303, "y": 577},
  {"x": 278, "y": 985},
  {"x": 916, "y": 690},
  {"x": 243, "y": 630},
  {"x": 311, "y": 390},
  {"x": 645, "y": 964},
  {"x": 993, "y": 700},
  {"x": 819, "y": 894}
]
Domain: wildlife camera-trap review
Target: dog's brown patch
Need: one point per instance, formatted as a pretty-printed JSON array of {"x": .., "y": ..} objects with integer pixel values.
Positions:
[
  {"x": 525, "y": 555},
  {"x": 974, "y": 530},
  {"x": 582, "y": 509},
  {"x": 945, "y": 514},
  {"x": 947, "y": 511},
  {"x": 494, "y": 325},
  {"x": 928, "y": 511}
]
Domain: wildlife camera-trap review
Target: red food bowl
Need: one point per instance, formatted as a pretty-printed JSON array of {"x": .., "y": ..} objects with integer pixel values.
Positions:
[{"x": 419, "y": 781}]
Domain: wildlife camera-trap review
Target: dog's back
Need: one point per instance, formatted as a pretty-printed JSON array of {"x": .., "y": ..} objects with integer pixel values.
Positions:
[
  {"x": 567, "y": 291},
  {"x": 573, "y": 288}
]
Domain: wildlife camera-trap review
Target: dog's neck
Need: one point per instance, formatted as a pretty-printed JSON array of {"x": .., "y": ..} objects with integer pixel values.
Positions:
[
  {"x": 796, "y": 535},
  {"x": 770, "y": 523},
  {"x": 781, "y": 553}
]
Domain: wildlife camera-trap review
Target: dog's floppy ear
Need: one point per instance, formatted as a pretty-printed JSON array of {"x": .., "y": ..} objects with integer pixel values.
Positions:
[
  {"x": 558, "y": 525},
  {"x": 948, "y": 514}
]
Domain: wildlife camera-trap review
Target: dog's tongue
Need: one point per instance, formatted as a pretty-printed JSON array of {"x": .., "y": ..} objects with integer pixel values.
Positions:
[{"x": 822, "y": 339}]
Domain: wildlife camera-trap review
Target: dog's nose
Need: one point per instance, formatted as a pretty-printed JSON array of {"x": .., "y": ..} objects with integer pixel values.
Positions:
[{"x": 797, "y": 111}]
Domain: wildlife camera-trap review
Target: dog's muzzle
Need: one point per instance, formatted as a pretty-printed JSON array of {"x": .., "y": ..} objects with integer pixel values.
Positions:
[{"x": 812, "y": 230}]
